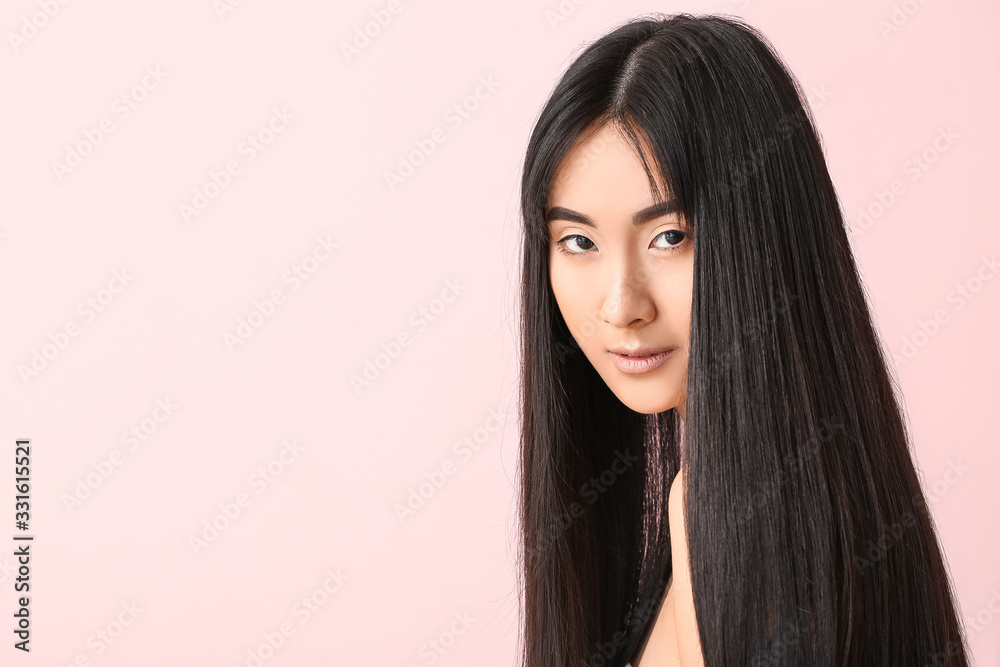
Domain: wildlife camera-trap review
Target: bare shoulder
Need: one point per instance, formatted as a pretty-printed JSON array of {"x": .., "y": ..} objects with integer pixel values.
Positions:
[
  {"x": 675, "y": 499},
  {"x": 686, "y": 624}
]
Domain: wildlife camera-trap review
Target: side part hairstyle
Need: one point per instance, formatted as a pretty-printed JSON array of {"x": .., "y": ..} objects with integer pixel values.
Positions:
[{"x": 811, "y": 541}]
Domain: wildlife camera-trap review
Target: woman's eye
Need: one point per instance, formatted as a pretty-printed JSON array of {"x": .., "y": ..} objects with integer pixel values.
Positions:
[
  {"x": 577, "y": 244},
  {"x": 675, "y": 241},
  {"x": 563, "y": 244}
]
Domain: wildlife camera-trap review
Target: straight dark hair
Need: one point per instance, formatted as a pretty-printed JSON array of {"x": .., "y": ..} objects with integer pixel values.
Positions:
[{"x": 810, "y": 539}]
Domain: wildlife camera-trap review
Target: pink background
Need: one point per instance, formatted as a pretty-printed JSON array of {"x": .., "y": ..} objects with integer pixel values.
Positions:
[{"x": 439, "y": 586}]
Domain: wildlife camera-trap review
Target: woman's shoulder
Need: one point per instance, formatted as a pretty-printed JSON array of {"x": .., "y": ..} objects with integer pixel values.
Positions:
[
  {"x": 685, "y": 622},
  {"x": 673, "y": 639}
]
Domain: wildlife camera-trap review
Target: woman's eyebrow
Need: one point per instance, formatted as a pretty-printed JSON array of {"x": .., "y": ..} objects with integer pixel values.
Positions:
[{"x": 640, "y": 218}]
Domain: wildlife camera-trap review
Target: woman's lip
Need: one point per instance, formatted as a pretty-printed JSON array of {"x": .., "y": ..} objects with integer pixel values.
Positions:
[
  {"x": 638, "y": 351},
  {"x": 639, "y": 365}
]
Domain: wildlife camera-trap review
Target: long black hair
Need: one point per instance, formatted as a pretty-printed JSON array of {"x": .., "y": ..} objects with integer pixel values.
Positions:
[{"x": 810, "y": 538}]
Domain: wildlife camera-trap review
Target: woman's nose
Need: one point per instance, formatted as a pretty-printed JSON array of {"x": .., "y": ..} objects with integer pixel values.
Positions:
[{"x": 627, "y": 297}]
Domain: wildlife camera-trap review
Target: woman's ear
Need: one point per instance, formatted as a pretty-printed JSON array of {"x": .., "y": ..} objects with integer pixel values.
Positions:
[{"x": 686, "y": 624}]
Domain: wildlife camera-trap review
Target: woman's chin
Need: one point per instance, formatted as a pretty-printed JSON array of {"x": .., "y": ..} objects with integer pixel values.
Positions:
[{"x": 646, "y": 402}]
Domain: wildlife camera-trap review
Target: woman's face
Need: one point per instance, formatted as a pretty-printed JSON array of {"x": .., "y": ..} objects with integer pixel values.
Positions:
[{"x": 622, "y": 272}]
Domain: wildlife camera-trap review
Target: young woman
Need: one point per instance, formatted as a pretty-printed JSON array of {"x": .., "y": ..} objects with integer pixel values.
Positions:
[{"x": 715, "y": 469}]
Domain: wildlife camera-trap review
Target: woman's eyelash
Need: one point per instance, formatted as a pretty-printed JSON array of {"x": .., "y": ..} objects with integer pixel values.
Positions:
[{"x": 561, "y": 243}]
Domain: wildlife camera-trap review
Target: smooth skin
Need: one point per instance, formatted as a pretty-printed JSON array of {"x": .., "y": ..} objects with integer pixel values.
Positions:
[
  {"x": 616, "y": 282},
  {"x": 622, "y": 274},
  {"x": 674, "y": 641}
]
